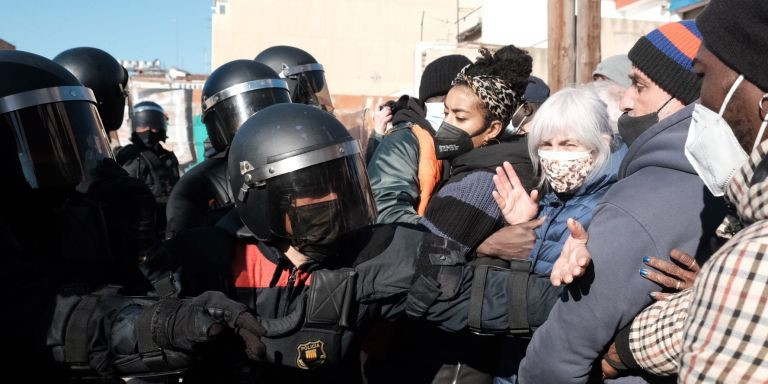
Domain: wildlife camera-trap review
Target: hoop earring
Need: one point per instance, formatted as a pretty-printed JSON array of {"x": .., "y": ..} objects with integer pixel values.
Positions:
[{"x": 761, "y": 104}]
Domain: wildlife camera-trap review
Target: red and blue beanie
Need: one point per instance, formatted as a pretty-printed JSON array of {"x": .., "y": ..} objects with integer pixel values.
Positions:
[{"x": 666, "y": 56}]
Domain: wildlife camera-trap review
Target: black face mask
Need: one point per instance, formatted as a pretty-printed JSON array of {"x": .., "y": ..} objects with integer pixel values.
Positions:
[
  {"x": 451, "y": 141},
  {"x": 631, "y": 127},
  {"x": 320, "y": 224},
  {"x": 149, "y": 138}
]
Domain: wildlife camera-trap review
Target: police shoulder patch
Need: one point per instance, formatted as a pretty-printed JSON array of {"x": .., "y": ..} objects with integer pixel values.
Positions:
[{"x": 311, "y": 354}]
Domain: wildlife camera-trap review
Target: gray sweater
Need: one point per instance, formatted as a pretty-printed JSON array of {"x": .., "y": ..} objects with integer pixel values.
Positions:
[{"x": 659, "y": 203}]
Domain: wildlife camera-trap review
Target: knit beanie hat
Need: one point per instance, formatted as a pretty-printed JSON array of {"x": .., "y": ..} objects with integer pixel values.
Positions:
[
  {"x": 615, "y": 68},
  {"x": 736, "y": 31},
  {"x": 666, "y": 55},
  {"x": 438, "y": 75},
  {"x": 537, "y": 91}
]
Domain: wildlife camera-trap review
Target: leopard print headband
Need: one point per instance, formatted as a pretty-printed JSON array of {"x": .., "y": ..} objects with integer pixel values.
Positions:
[{"x": 494, "y": 93}]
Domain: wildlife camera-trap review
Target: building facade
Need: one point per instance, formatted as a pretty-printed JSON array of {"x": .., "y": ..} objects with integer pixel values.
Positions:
[
  {"x": 180, "y": 95},
  {"x": 373, "y": 50}
]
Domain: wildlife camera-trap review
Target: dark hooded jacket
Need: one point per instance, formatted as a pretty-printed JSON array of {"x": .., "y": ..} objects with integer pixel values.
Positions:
[{"x": 659, "y": 203}]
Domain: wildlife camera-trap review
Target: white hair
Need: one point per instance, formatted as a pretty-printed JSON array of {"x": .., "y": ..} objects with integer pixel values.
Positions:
[
  {"x": 610, "y": 92},
  {"x": 577, "y": 113}
]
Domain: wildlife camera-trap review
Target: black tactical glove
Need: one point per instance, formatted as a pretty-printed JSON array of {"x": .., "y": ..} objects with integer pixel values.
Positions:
[
  {"x": 201, "y": 319},
  {"x": 116, "y": 335}
]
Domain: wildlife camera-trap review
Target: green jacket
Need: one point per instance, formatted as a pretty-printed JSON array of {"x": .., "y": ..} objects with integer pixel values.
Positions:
[{"x": 393, "y": 172}]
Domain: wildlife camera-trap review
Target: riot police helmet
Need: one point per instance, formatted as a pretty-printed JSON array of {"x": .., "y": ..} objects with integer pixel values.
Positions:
[
  {"x": 305, "y": 76},
  {"x": 149, "y": 123},
  {"x": 233, "y": 93},
  {"x": 104, "y": 75},
  {"x": 51, "y": 131},
  {"x": 298, "y": 175}
]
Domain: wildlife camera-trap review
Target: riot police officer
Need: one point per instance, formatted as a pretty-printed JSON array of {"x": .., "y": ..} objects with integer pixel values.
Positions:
[
  {"x": 126, "y": 203},
  {"x": 305, "y": 76},
  {"x": 314, "y": 269},
  {"x": 145, "y": 159},
  {"x": 232, "y": 94},
  {"x": 67, "y": 323},
  {"x": 104, "y": 75}
]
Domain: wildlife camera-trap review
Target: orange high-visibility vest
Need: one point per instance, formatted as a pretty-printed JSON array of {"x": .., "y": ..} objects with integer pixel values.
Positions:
[{"x": 429, "y": 169}]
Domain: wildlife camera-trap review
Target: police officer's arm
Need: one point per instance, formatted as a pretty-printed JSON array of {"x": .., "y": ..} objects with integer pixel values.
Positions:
[
  {"x": 114, "y": 335},
  {"x": 495, "y": 300},
  {"x": 438, "y": 285}
]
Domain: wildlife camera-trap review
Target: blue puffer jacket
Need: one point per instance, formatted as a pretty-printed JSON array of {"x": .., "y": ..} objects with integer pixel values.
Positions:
[{"x": 551, "y": 235}]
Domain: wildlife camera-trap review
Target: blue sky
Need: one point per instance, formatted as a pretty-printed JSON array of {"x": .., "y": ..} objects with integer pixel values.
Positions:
[{"x": 127, "y": 29}]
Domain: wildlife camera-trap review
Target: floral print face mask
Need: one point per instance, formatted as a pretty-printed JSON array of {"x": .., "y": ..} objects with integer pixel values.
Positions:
[{"x": 566, "y": 171}]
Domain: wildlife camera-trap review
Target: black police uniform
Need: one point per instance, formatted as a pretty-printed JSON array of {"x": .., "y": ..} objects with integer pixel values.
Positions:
[
  {"x": 156, "y": 166},
  {"x": 309, "y": 191},
  {"x": 57, "y": 257},
  {"x": 201, "y": 197},
  {"x": 146, "y": 160},
  {"x": 126, "y": 204}
]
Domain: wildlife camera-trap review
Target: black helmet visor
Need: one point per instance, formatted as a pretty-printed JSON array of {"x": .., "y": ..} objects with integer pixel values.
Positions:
[
  {"x": 59, "y": 135},
  {"x": 149, "y": 116},
  {"x": 311, "y": 86},
  {"x": 226, "y": 111},
  {"x": 324, "y": 200},
  {"x": 313, "y": 195}
]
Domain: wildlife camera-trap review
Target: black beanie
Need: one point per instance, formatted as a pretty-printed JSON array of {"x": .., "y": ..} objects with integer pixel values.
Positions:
[
  {"x": 666, "y": 56},
  {"x": 736, "y": 31},
  {"x": 439, "y": 74}
]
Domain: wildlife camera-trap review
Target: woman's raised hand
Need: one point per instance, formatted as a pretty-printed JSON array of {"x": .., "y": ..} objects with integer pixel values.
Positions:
[{"x": 515, "y": 204}]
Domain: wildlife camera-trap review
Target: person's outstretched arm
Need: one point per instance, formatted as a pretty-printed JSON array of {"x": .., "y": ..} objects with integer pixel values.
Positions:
[{"x": 597, "y": 305}]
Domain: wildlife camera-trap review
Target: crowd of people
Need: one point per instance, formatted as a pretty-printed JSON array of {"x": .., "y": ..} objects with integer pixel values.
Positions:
[{"x": 492, "y": 231}]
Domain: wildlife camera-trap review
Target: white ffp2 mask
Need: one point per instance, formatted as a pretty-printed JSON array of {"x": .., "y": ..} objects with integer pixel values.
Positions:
[
  {"x": 712, "y": 148},
  {"x": 435, "y": 113}
]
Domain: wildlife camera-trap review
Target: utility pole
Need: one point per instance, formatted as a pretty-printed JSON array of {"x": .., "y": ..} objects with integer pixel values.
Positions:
[
  {"x": 421, "y": 37},
  {"x": 587, "y": 39},
  {"x": 561, "y": 55},
  {"x": 457, "y": 21}
]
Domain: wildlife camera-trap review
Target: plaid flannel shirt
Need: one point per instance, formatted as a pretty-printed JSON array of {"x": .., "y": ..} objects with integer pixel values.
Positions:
[
  {"x": 656, "y": 334},
  {"x": 725, "y": 337},
  {"x": 717, "y": 332},
  {"x": 726, "y": 333}
]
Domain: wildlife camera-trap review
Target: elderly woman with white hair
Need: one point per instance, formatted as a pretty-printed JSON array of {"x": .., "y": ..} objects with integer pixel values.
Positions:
[{"x": 573, "y": 145}]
